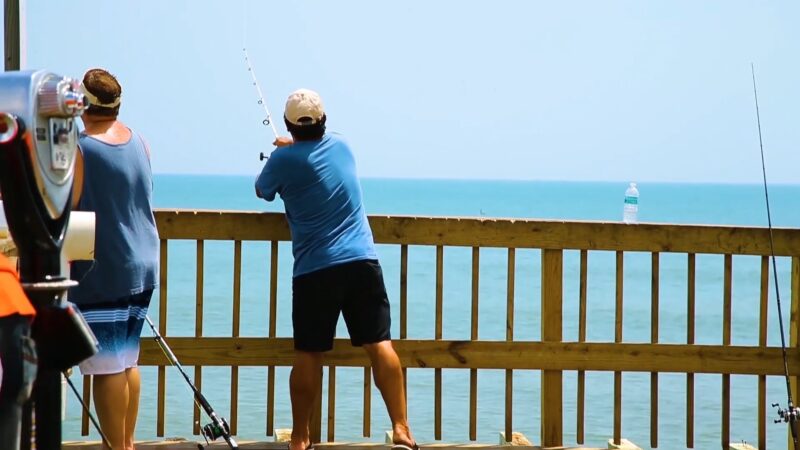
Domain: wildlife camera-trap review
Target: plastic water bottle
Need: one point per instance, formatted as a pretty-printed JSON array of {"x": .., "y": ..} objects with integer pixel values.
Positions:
[
  {"x": 631, "y": 209},
  {"x": 3, "y": 223}
]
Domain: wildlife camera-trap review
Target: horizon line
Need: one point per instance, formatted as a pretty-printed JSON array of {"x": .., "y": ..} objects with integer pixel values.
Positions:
[{"x": 526, "y": 180}]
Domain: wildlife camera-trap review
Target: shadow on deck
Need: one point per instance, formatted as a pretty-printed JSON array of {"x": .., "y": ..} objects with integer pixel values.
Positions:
[{"x": 182, "y": 444}]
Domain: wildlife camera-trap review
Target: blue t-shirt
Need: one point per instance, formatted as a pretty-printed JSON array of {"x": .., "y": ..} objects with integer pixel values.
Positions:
[{"x": 319, "y": 186}]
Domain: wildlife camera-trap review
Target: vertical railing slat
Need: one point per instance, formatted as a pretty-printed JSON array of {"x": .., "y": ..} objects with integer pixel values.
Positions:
[
  {"x": 582, "y": 338},
  {"x": 162, "y": 329},
  {"x": 87, "y": 400},
  {"x": 273, "y": 321},
  {"x": 315, "y": 422},
  {"x": 473, "y": 373},
  {"x": 618, "y": 339},
  {"x": 237, "y": 304},
  {"x": 510, "y": 284},
  {"x": 437, "y": 415},
  {"x": 654, "y": 315},
  {"x": 551, "y": 320},
  {"x": 762, "y": 342},
  {"x": 366, "y": 427},
  {"x": 726, "y": 340},
  {"x": 690, "y": 324},
  {"x": 331, "y": 403},
  {"x": 404, "y": 307},
  {"x": 198, "y": 328}
]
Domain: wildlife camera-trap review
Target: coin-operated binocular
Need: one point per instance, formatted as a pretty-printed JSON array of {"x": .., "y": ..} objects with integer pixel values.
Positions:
[{"x": 38, "y": 143}]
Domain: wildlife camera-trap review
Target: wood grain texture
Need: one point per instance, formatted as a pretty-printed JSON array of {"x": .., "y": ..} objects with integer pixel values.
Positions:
[
  {"x": 452, "y": 354},
  {"x": 483, "y": 232}
]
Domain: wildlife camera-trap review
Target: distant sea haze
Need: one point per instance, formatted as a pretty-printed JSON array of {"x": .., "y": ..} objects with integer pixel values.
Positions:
[
  {"x": 701, "y": 203},
  {"x": 728, "y": 204}
]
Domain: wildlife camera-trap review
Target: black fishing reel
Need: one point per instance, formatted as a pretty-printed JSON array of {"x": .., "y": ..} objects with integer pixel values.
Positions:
[
  {"x": 213, "y": 431},
  {"x": 788, "y": 415},
  {"x": 218, "y": 428}
]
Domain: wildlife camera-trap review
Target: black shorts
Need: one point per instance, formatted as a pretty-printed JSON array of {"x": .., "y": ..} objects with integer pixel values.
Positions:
[{"x": 356, "y": 290}]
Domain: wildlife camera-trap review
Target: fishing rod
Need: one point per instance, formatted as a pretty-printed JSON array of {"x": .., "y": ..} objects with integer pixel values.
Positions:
[
  {"x": 790, "y": 414},
  {"x": 267, "y": 122},
  {"x": 87, "y": 410},
  {"x": 218, "y": 426}
]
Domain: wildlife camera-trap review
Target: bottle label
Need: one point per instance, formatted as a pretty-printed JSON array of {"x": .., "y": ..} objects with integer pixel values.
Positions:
[{"x": 631, "y": 200}]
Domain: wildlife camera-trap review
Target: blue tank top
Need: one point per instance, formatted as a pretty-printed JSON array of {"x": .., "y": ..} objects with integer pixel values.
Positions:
[{"x": 118, "y": 188}]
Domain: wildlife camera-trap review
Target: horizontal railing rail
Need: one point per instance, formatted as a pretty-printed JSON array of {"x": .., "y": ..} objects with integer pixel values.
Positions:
[{"x": 493, "y": 232}]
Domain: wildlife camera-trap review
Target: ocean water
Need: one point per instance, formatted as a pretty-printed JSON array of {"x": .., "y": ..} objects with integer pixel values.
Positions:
[{"x": 659, "y": 202}]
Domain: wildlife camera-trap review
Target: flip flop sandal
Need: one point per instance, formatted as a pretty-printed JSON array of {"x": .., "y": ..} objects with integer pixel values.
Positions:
[
  {"x": 308, "y": 447},
  {"x": 405, "y": 447}
]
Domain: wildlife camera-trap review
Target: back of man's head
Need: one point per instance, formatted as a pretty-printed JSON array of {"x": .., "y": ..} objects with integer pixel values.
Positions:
[
  {"x": 103, "y": 92},
  {"x": 305, "y": 115}
]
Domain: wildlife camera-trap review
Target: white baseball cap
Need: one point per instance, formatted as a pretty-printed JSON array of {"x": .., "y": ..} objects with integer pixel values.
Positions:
[{"x": 304, "y": 107}]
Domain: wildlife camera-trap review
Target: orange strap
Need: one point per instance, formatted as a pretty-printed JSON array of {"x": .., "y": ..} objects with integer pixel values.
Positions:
[{"x": 12, "y": 297}]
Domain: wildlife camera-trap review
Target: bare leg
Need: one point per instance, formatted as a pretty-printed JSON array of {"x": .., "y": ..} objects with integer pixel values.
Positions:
[
  {"x": 111, "y": 402},
  {"x": 304, "y": 385},
  {"x": 134, "y": 387},
  {"x": 388, "y": 376}
]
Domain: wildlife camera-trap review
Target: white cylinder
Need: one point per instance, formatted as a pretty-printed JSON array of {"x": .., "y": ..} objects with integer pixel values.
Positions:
[{"x": 79, "y": 239}]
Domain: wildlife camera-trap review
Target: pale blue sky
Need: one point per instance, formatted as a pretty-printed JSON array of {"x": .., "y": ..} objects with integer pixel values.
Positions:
[{"x": 541, "y": 90}]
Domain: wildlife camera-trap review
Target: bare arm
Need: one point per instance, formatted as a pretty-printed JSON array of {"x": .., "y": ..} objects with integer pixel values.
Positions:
[
  {"x": 283, "y": 141},
  {"x": 77, "y": 180}
]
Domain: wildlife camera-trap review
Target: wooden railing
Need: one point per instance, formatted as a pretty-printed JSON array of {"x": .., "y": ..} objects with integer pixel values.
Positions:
[{"x": 551, "y": 354}]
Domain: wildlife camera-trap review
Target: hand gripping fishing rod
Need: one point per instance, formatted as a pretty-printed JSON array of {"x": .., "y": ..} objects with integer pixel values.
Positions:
[
  {"x": 218, "y": 426},
  {"x": 791, "y": 413},
  {"x": 268, "y": 119}
]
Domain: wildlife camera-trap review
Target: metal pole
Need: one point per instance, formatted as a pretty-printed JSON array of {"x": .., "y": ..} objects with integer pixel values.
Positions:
[{"x": 12, "y": 34}]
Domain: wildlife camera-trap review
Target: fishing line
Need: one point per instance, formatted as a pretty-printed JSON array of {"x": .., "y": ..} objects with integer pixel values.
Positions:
[
  {"x": 790, "y": 414},
  {"x": 268, "y": 120},
  {"x": 88, "y": 411}
]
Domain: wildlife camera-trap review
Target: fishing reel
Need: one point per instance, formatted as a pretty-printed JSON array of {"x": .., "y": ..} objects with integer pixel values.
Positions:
[
  {"x": 217, "y": 428},
  {"x": 213, "y": 431},
  {"x": 788, "y": 415}
]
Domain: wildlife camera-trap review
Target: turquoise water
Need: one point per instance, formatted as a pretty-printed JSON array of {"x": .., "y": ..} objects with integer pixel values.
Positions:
[{"x": 671, "y": 203}]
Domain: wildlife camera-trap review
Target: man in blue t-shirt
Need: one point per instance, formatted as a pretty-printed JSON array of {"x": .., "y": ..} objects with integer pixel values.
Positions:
[{"x": 336, "y": 268}]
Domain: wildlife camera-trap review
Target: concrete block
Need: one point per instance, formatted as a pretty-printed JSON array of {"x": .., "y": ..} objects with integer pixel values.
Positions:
[
  {"x": 624, "y": 444},
  {"x": 517, "y": 438},
  {"x": 283, "y": 434},
  {"x": 742, "y": 446}
]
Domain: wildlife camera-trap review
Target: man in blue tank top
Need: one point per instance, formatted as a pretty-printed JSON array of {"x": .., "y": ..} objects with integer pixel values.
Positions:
[
  {"x": 336, "y": 268},
  {"x": 113, "y": 179}
]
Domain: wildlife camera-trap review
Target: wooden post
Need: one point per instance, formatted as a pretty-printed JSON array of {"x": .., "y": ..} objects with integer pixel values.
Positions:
[
  {"x": 552, "y": 279},
  {"x": 12, "y": 34},
  {"x": 235, "y": 327},
  {"x": 794, "y": 327}
]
